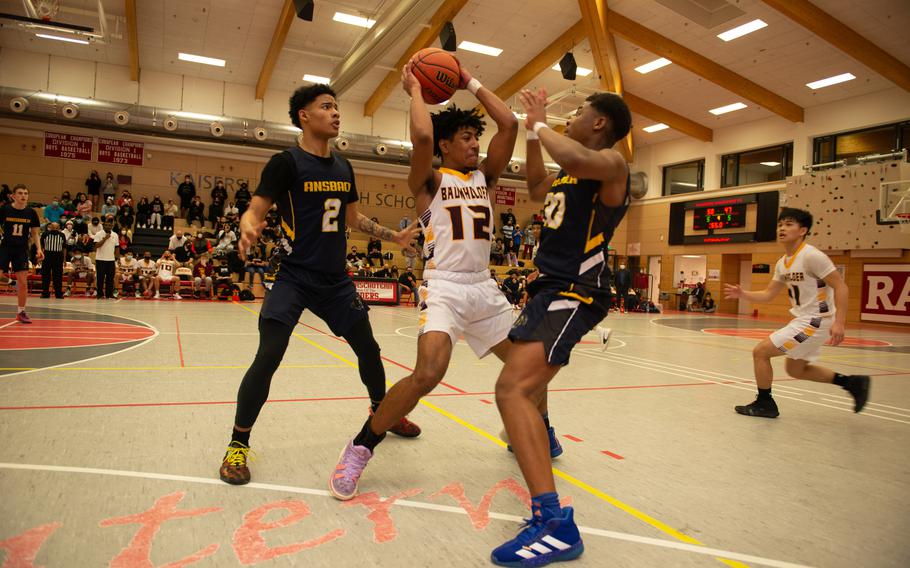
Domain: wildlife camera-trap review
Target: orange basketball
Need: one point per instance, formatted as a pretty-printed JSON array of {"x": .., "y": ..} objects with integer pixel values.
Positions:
[{"x": 438, "y": 73}]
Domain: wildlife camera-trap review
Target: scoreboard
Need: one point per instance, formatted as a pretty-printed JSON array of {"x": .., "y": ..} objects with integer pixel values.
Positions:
[{"x": 719, "y": 217}]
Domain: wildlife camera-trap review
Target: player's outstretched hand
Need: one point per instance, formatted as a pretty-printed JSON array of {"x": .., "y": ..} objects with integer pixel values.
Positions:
[
  {"x": 837, "y": 333},
  {"x": 249, "y": 235},
  {"x": 535, "y": 105},
  {"x": 732, "y": 291},
  {"x": 408, "y": 81},
  {"x": 404, "y": 237},
  {"x": 465, "y": 77}
]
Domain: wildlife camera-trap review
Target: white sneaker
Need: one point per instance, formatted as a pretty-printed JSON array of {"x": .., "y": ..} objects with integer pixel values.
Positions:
[
  {"x": 604, "y": 333},
  {"x": 138, "y": 295},
  {"x": 177, "y": 297},
  {"x": 157, "y": 295}
]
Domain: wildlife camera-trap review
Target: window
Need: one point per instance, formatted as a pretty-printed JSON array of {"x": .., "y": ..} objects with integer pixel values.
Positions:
[
  {"x": 684, "y": 178},
  {"x": 849, "y": 145},
  {"x": 757, "y": 166}
]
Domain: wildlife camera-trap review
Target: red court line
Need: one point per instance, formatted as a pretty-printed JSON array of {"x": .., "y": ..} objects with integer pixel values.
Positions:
[
  {"x": 612, "y": 455},
  {"x": 485, "y": 401},
  {"x": 179, "y": 345},
  {"x": 573, "y": 438},
  {"x": 396, "y": 363},
  {"x": 333, "y": 398}
]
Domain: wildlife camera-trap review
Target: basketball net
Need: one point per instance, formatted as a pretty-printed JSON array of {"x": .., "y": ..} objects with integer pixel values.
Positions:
[{"x": 47, "y": 9}]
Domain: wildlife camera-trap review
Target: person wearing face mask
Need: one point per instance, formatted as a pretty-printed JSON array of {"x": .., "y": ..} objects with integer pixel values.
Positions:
[
  {"x": 126, "y": 215},
  {"x": 66, "y": 203},
  {"x": 242, "y": 198},
  {"x": 170, "y": 212},
  {"x": 623, "y": 280},
  {"x": 69, "y": 234},
  {"x": 93, "y": 185},
  {"x": 106, "y": 241},
  {"x": 109, "y": 208},
  {"x": 82, "y": 270},
  {"x": 157, "y": 211},
  {"x": 196, "y": 212},
  {"x": 109, "y": 187},
  {"x": 201, "y": 245},
  {"x": 94, "y": 227},
  {"x": 53, "y": 241},
  {"x": 53, "y": 212},
  {"x": 127, "y": 267},
  {"x": 148, "y": 275},
  {"x": 186, "y": 191}
]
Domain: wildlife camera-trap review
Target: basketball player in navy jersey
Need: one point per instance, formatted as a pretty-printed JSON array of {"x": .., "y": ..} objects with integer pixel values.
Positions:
[
  {"x": 457, "y": 296},
  {"x": 316, "y": 195},
  {"x": 583, "y": 204},
  {"x": 19, "y": 222}
]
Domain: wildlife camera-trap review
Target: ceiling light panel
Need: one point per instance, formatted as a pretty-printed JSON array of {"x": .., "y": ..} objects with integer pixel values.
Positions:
[
  {"x": 66, "y": 39},
  {"x": 822, "y": 83},
  {"x": 653, "y": 66},
  {"x": 353, "y": 20},
  {"x": 726, "y": 109},
  {"x": 742, "y": 30},
  {"x": 200, "y": 59},
  {"x": 316, "y": 79},
  {"x": 655, "y": 127},
  {"x": 480, "y": 48}
]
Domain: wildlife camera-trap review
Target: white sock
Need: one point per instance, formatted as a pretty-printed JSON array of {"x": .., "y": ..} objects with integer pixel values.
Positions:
[{"x": 21, "y": 309}]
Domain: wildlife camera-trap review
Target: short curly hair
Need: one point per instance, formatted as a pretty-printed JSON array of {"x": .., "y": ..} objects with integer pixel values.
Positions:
[
  {"x": 304, "y": 96},
  {"x": 612, "y": 105},
  {"x": 447, "y": 123}
]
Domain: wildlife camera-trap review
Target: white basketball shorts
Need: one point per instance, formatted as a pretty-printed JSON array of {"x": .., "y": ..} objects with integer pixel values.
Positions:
[{"x": 803, "y": 337}]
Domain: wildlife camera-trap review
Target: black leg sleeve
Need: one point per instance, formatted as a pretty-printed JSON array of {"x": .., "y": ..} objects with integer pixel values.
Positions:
[
  {"x": 360, "y": 338},
  {"x": 254, "y": 389}
]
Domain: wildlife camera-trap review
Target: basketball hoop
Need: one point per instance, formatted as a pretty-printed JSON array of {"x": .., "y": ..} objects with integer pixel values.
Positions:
[
  {"x": 47, "y": 9},
  {"x": 904, "y": 220}
]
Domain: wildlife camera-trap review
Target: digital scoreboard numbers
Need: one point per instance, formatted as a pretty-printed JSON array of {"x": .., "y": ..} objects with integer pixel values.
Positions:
[{"x": 719, "y": 217}]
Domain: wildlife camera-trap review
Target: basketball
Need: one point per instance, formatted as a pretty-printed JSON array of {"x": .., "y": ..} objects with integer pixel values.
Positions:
[{"x": 438, "y": 73}]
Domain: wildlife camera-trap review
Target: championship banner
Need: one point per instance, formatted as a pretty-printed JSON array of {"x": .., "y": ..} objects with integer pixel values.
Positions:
[
  {"x": 68, "y": 146},
  {"x": 886, "y": 293},
  {"x": 504, "y": 195},
  {"x": 377, "y": 290},
  {"x": 120, "y": 152}
]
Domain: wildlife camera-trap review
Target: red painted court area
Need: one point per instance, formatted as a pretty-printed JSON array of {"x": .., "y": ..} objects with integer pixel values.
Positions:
[
  {"x": 756, "y": 333},
  {"x": 56, "y": 333}
]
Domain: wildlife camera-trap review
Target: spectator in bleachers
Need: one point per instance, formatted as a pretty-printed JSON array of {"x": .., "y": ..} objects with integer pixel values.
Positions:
[
  {"x": 507, "y": 218},
  {"x": 93, "y": 185},
  {"x": 84, "y": 207},
  {"x": 219, "y": 192},
  {"x": 53, "y": 241},
  {"x": 109, "y": 208},
  {"x": 506, "y": 231},
  {"x": 66, "y": 203},
  {"x": 143, "y": 211},
  {"x": 126, "y": 269},
  {"x": 125, "y": 243},
  {"x": 494, "y": 276},
  {"x": 186, "y": 191},
  {"x": 53, "y": 212},
  {"x": 109, "y": 187},
  {"x": 242, "y": 198},
  {"x": 170, "y": 213},
  {"x": 156, "y": 212},
  {"x": 68, "y": 233},
  {"x": 231, "y": 212},
  {"x": 126, "y": 215},
  {"x": 223, "y": 275},
  {"x": 166, "y": 275},
  {"x": 354, "y": 255},
  {"x": 106, "y": 241},
  {"x": 410, "y": 256},
  {"x": 517, "y": 237},
  {"x": 202, "y": 277},
  {"x": 527, "y": 250},
  {"x": 201, "y": 245},
  {"x": 94, "y": 227},
  {"x": 177, "y": 240},
  {"x": 409, "y": 281},
  {"x": 196, "y": 212},
  {"x": 216, "y": 211},
  {"x": 125, "y": 197},
  {"x": 84, "y": 244},
  {"x": 403, "y": 224},
  {"x": 226, "y": 240},
  {"x": 382, "y": 272},
  {"x": 82, "y": 270},
  {"x": 497, "y": 252},
  {"x": 512, "y": 288},
  {"x": 256, "y": 263},
  {"x": 374, "y": 249}
]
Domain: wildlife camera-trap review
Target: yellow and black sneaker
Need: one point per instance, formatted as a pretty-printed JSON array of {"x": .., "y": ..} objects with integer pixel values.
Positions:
[{"x": 234, "y": 469}]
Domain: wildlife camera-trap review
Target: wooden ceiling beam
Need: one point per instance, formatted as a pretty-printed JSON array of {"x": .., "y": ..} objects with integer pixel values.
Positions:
[
  {"x": 274, "y": 52},
  {"x": 594, "y": 14},
  {"x": 702, "y": 66},
  {"x": 445, "y": 13},
  {"x": 675, "y": 121},
  {"x": 132, "y": 31},
  {"x": 842, "y": 37}
]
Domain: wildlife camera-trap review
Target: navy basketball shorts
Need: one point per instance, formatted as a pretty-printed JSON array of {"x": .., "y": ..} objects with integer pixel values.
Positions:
[
  {"x": 17, "y": 257},
  {"x": 559, "y": 314},
  {"x": 332, "y": 298}
]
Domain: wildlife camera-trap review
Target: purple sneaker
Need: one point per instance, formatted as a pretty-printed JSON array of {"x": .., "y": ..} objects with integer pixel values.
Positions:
[
  {"x": 22, "y": 317},
  {"x": 343, "y": 483}
]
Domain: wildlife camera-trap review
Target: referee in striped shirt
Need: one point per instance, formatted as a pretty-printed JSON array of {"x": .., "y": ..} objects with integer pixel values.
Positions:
[{"x": 53, "y": 241}]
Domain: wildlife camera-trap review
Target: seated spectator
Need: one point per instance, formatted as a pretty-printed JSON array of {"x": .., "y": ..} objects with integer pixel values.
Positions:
[
  {"x": 226, "y": 240},
  {"x": 202, "y": 278},
  {"x": 166, "y": 275},
  {"x": 109, "y": 208},
  {"x": 94, "y": 226},
  {"x": 53, "y": 212},
  {"x": 512, "y": 288},
  {"x": 201, "y": 245},
  {"x": 216, "y": 210},
  {"x": 410, "y": 255},
  {"x": 354, "y": 256},
  {"x": 127, "y": 266},
  {"x": 709, "y": 305},
  {"x": 125, "y": 198},
  {"x": 84, "y": 244},
  {"x": 156, "y": 212},
  {"x": 82, "y": 270},
  {"x": 374, "y": 251},
  {"x": 109, "y": 187},
  {"x": 256, "y": 264},
  {"x": 125, "y": 243},
  {"x": 177, "y": 240},
  {"x": 497, "y": 252},
  {"x": 170, "y": 212},
  {"x": 382, "y": 272},
  {"x": 66, "y": 202},
  {"x": 143, "y": 212},
  {"x": 69, "y": 234},
  {"x": 126, "y": 215},
  {"x": 84, "y": 207},
  {"x": 196, "y": 212},
  {"x": 183, "y": 255},
  {"x": 231, "y": 211},
  {"x": 148, "y": 275},
  {"x": 407, "y": 280},
  {"x": 222, "y": 275}
]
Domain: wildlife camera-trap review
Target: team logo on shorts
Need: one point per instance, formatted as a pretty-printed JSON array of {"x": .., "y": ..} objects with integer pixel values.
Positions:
[
  {"x": 800, "y": 337},
  {"x": 522, "y": 319}
]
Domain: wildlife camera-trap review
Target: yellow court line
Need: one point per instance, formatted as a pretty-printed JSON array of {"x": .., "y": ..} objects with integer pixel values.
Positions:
[
  {"x": 663, "y": 527},
  {"x": 177, "y": 368}
]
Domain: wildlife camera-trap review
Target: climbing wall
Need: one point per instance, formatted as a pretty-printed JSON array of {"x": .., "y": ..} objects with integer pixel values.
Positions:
[{"x": 844, "y": 203}]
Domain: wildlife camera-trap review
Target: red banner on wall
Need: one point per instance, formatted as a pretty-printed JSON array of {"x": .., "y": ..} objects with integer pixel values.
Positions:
[
  {"x": 504, "y": 195},
  {"x": 120, "y": 151},
  {"x": 886, "y": 293},
  {"x": 68, "y": 146}
]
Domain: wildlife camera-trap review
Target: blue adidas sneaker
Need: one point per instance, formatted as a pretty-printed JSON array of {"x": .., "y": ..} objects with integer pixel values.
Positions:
[
  {"x": 541, "y": 542},
  {"x": 555, "y": 446}
]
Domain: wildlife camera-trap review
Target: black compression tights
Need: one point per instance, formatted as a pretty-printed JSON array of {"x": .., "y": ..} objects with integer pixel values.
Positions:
[{"x": 273, "y": 342}]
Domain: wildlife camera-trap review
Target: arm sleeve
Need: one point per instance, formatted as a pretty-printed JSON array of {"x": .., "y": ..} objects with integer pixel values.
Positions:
[
  {"x": 820, "y": 265},
  {"x": 277, "y": 177}
]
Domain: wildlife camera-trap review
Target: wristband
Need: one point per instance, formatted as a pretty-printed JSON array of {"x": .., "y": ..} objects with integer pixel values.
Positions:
[
  {"x": 532, "y": 135},
  {"x": 538, "y": 126},
  {"x": 473, "y": 86}
]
